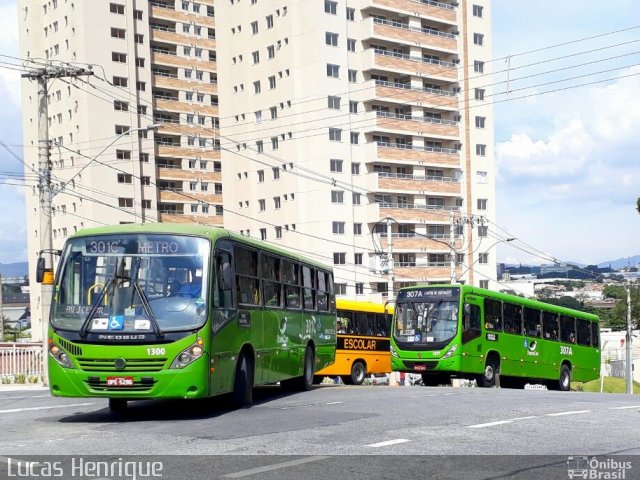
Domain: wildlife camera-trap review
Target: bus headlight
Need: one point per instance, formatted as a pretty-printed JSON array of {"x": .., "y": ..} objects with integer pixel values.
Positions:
[
  {"x": 393, "y": 352},
  {"x": 451, "y": 351},
  {"x": 60, "y": 356},
  {"x": 188, "y": 355}
]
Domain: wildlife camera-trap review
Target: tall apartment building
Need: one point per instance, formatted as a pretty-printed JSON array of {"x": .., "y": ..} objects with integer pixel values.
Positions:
[
  {"x": 340, "y": 114},
  {"x": 154, "y": 63}
]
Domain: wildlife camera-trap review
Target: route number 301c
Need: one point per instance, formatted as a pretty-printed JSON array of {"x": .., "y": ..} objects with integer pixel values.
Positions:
[
  {"x": 565, "y": 350},
  {"x": 155, "y": 351}
]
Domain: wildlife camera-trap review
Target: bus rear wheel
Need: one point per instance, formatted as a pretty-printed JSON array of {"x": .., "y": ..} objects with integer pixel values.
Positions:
[
  {"x": 488, "y": 377},
  {"x": 117, "y": 405},
  {"x": 242, "y": 396},
  {"x": 358, "y": 373},
  {"x": 564, "y": 383}
]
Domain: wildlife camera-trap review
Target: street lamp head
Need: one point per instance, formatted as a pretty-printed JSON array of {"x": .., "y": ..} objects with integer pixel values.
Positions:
[{"x": 153, "y": 126}]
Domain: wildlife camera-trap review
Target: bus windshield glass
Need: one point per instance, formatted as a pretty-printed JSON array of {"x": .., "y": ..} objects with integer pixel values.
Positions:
[
  {"x": 132, "y": 284},
  {"x": 421, "y": 316}
]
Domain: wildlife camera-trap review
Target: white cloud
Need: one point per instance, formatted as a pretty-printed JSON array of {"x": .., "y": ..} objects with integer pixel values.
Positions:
[{"x": 9, "y": 79}]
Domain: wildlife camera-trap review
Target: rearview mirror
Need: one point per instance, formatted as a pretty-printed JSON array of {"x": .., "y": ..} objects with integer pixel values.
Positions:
[{"x": 40, "y": 269}]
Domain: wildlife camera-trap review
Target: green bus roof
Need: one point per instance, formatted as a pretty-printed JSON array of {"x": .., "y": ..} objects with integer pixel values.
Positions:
[
  {"x": 506, "y": 297},
  {"x": 206, "y": 231}
]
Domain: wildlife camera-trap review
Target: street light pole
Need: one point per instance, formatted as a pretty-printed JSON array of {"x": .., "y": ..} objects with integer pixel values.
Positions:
[{"x": 629, "y": 351}]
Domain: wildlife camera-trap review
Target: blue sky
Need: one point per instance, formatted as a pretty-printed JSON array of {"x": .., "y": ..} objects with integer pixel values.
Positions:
[{"x": 568, "y": 162}]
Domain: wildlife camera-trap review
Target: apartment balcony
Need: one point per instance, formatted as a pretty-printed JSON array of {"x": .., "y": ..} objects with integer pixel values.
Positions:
[
  {"x": 428, "y": 97},
  {"x": 431, "y": 271},
  {"x": 415, "y": 125},
  {"x": 167, "y": 105},
  {"x": 400, "y": 153},
  {"x": 160, "y": 81},
  {"x": 161, "y": 13},
  {"x": 409, "y": 212},
  {"x": 172, "y": 217},
  {"x": 168, "y": 58},
  {"x": 179, "y": 196},
  {"x": 441, "y": 11},
  {"x": 376, "y": 28},
  {"x": 378, "y": 59},
  {"x": 414, "y": 184},
  {"x": 414, "y": 242},
  {"x": 177, "y": 151},
  {"x": 166, "y": 173}
]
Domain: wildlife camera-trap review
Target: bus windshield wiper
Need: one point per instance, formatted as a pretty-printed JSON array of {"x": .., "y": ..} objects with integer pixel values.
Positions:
[{"x": 148, "y": 310}]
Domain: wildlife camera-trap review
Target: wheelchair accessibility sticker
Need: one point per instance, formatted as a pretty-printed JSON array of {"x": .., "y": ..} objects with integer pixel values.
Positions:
[{"x": 116, "y": 322}]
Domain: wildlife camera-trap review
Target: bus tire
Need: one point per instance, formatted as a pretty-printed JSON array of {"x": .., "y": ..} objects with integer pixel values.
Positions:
[
  {"x": 117, "y": 405},
  {"x": 358, "y": 373},
  {"x": 564, "y": 382},
  {"x": 488, "y": 377},
  {"x": 242, "y": 395}
]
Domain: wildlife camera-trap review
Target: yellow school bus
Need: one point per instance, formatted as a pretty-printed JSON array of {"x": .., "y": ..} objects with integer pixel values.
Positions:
[{"x": 362, "y": 341}]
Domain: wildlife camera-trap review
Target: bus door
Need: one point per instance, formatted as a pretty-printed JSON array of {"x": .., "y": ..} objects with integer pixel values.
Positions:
[{"x": 472, "y": 341}]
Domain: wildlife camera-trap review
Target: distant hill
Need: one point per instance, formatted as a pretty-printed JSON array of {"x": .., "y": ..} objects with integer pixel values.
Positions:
[
  {"x": 19, "y": 269},
  {"x": 621, "y": 262}
]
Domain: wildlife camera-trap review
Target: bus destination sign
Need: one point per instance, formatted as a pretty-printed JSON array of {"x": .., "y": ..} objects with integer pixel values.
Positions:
[
  {"x": 430, "y": 294},
  {"x": 139, "y": 246}
]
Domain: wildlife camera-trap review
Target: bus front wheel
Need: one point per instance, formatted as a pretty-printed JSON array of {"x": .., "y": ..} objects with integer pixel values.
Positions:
[
  {"x": 565, "y": 378},
  {"x": 117, "y": 405},
  {"x": 242, "y": 395},
  {"x": 358, "y": 372},
  {"x": 488, "y": 377}
]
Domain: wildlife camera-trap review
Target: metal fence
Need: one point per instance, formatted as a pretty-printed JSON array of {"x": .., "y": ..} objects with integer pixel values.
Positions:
[{"x": 21, "y": 362}]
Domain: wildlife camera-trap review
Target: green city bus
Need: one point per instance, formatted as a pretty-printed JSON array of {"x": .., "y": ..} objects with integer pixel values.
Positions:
[
  {"x": 441, "y": 331},
  {"x": 185, "y": 311}
]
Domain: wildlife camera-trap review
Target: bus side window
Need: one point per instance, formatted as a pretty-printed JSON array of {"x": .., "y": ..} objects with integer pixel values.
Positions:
[
  {"x": 584, "y": 333},
  {"x": 471, "y": 322},
  {"x": 550, "y": 326},
  {"x": 532, "y": 325},
  {"x": 492, "y": 314},
  {"x": 567, "y": 329},
  {"x": 594, "y": 334},
  {"x": 512, "y": 315},
  {"x": 223, "y": 293}
]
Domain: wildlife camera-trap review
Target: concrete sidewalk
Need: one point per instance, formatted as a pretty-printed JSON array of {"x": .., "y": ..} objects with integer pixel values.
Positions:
[{"x": 13, "y": 387}]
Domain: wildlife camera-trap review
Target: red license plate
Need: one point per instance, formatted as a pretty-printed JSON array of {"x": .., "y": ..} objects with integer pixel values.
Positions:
[
  {"x": 420, "y": 367},
  {"x": 119, "y": 381}
]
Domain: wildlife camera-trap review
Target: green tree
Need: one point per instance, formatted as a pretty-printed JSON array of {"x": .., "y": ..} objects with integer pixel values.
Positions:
[
  {"x": 569, "y": 302},
  {"x": 617, "y": 316}
]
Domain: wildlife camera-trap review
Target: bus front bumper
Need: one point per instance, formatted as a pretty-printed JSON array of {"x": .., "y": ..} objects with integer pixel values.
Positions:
[{"x": 412, "y": 363}]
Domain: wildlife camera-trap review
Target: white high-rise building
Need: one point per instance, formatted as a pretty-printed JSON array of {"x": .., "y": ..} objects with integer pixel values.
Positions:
[
  {"x": 339, "y": 115},
  {"x": 154, "y": 63}
]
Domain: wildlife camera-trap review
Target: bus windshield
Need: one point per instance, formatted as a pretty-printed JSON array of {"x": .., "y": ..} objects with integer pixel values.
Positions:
[
  {"x": 132, "y": 283},
  {"x": 426, "y": 321}
]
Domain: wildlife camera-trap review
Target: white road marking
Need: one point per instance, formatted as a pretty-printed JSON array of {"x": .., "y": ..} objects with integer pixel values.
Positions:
[
  {"x": 490, "y": 424},
  {"x": 420, "y": 396},
  {"x": 575, "y": 412},
  {"x": 29, "y": 409},
  {"x": 625, "y": 407},
  {"x": 23, "y": 398},
  {"x": 333, "y": 403},
  {"x": 275, "y": 466},
  {"x": 387, "y": 443}
]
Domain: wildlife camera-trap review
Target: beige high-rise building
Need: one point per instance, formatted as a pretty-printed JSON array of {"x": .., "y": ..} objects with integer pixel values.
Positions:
[
  {"x": 154, "y": 63},
  {"x": 340, "y": 117}
]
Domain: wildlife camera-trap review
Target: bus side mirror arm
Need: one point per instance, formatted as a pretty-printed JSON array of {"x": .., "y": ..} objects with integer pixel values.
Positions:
[{"x": 41, "y": 267}]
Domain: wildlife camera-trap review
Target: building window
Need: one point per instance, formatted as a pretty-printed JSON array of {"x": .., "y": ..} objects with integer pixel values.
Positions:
[
  {"x": 357, "y": 229},
  {"x": 335, "y": 134},
  {"x": 357, "y": 258},
  {"x": 483, "y": 258},
  {"x": 338, "y": 228},
  {"x": 256, "y": 86},
  {"x": 351, "y": 14},
  {"x": 259, "y": 146},
  {"x": 337, "y": 196},
  {"x": 353, "y": 106},
  {"x": 480, "y": 121},
  {"x": 356, "y": 198},
  {"x": 260, "y": 176},
  {"x": 353, "y": 76},
  {"x": 329, "y": 7},
  {"x": 258, "y": 116},
  {"x": 140, "y": 62},
  {"x": 276, "y": 203},
  {"x": 139, "y": 38},
  {"x": 256, "y": 57},
  {"x": 479, "y": 93},
  {"x": 278, "y": 232},
  {"x": 351, "y": 45},
  {"x": 141, "y": 86},
  {"x": 483, "y": 230},
  {"x": 482, "y": 204},
  {"x": 125, "y": 202},
  {"x": 359, "y": 288},
  {"x": 137, "y": 14},
  {"x": 263, "y": 234},
  {"x": 118, "y": 33},
  {"x": 269, "y": 19},
  {"x": 481, "y": 149},
  {"x": 478, "y": 66},
  {"x": 254, "y": 27},
  {"x": 331, "y": 38},
  {"x": 478, "y": 39},
  {"x": 119, "y": 57},
  {"x": 272, "y": 82},
  {"x": 484, "y": 284},
  {"x": 274, "y": 143},
  {"x": 271, "y": 51},
  {"x": 354, "y": 137},
  {"x": 336, "y": 165},
  {"x": 355, "y": 169},
  {"x": 262, "y": 204},
  {"x": 113, "y": 8},
  {"x": 120, "y": 106},
  {"x": 274, "y": 112},
  {"x": 333, "y": 102},
  {"x": 123, "y": 154},
  {"x": 477, "y": 11},
  {"x": 144, "y": 158},
  {"x": 121, "y": 129},
  {"x": 339, "y": 258},
  {"x": 120, "y": 81},
  {"x": 333, "y": 70},
  {"x": 125, "y": 178}
]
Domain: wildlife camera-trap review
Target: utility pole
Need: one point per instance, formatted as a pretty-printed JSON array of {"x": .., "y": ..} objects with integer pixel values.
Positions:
[
  {"x": 389, "y": 261},
  {"x": 45, "y": 194},
  {"x": 629, "y": 353},
  {"x": 452, "y": 239}
]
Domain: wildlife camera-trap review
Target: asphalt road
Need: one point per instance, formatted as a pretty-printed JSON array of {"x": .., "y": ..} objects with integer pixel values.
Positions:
[{"x": 334, "y": 432}]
